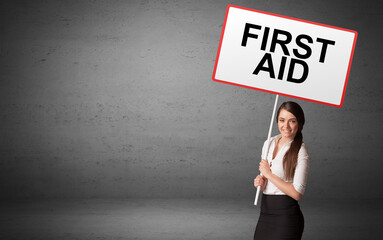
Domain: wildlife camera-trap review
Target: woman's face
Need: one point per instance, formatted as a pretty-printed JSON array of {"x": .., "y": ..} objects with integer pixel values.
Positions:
[{"x": 287, "y": 124}]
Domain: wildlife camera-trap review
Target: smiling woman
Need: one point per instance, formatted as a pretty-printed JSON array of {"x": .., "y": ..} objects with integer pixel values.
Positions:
[
  {"x": 284, "y": 177},
  {"x": 287, "y": 124}
]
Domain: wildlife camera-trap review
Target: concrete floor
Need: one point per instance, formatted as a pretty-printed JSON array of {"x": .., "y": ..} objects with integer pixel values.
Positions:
[{"x": 178, "y": 219}]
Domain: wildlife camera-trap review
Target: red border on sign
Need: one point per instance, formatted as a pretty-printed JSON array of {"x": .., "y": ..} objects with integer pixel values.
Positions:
[{"x": 295, "y": 19}]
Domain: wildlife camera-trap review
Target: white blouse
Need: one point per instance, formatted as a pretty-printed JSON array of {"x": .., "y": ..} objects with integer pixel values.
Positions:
[{"x": 301, "y": 170}]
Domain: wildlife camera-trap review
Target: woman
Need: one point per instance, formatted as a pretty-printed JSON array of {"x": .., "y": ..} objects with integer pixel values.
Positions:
[{"x": 284, "y": 177}]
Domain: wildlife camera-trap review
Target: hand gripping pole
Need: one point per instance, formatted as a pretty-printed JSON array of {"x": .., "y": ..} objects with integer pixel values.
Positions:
[{"x": 268, "y": 145}]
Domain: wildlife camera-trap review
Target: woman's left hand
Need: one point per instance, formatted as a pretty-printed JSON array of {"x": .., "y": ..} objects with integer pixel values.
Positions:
[{"x": 264, "y": 168}]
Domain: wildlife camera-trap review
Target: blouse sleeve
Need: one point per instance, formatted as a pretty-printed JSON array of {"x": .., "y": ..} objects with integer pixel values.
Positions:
[
  {"x": 301, "y": 170},
  {"x": 263, "y": 149}
]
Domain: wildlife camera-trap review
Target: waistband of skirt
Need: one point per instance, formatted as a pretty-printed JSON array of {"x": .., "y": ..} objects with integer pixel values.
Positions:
[{"x": 279, "y": 204}]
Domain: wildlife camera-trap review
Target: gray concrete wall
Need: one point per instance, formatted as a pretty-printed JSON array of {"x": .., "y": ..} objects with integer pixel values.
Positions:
[{"x": 116, "y": 99}]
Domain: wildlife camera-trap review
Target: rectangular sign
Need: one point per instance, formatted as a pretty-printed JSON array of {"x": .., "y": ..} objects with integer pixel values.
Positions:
[{"x": 284, "y": 55}]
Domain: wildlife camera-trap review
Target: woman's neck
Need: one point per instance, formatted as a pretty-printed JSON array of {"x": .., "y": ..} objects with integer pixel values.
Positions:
[{"x": 284, "y": 140}]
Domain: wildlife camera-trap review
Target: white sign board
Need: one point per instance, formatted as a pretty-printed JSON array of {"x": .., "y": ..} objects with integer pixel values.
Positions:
[{"x": 285, "y": 56}]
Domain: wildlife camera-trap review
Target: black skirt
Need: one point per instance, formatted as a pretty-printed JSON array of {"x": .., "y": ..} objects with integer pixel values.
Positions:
[{"x": 280, "y": 218}]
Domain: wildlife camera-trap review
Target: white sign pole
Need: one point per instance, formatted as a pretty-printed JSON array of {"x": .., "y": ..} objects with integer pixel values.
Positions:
[{"x": 268, "y": 145}]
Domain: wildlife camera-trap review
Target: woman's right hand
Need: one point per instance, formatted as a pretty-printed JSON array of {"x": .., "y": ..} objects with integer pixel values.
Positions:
[{"x": 260, "y": 181}]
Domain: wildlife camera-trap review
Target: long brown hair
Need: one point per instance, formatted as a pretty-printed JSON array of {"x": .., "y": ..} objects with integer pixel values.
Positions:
[{"x": 291, "y": 157}]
